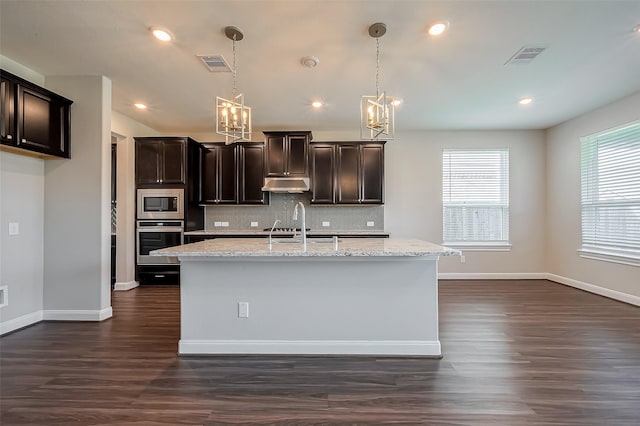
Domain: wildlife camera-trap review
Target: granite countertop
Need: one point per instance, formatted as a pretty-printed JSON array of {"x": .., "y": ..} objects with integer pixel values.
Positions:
[
  {"x": 261, "y": 233},
  {"x": 247, "y": 247}
]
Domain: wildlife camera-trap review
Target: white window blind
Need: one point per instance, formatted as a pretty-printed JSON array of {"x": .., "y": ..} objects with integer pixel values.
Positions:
[
  {"x": 475, "y": 196},
  {"x": 611, "y": 192}
]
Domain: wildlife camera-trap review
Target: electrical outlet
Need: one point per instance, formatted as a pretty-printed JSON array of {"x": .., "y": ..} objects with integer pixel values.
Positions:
[
  {"x": 463, "y": 259},
  {"x": 217, "y": 224},
  {"x": 14, "y": 228},
  {"x": 224, "y": 224},
  {"x": 254, "y": 224},
  {"x": 371, "y": 223},
  {"x": 243, "y": 309},
  {"x": 325, "y": 223}
]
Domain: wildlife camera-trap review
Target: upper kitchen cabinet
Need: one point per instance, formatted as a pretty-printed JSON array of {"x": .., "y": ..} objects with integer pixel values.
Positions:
[
  {"x": 33, "y": 120},
  {"x": 219, "y": 183},
  {"x": 287, "y": 154},
  {"x": 161, "y": 161},
  {"x": 233, "y": 174},
  {"x": 251, "y": 174},
  {"x": 323, "y": 160},
  {"x": 347, "y": 173}
]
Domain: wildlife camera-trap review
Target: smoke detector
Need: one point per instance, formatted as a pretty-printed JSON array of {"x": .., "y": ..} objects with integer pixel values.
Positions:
[{"x": 310, "y": 61}]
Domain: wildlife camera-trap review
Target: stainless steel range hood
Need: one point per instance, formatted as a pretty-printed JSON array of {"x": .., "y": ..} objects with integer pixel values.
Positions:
[{"x": 286, "y": 184}]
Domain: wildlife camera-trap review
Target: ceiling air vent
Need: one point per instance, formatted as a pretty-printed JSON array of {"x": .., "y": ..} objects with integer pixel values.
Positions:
[
  {"x": 525, "y": 55},
  {"x": 215, "y": 63}
]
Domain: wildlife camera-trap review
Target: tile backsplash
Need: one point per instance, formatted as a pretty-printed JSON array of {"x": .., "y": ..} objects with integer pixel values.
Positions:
[{"x": 281, "y": 207}]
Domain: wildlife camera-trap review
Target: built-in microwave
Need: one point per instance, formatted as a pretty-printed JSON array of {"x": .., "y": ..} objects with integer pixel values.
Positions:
[{"x": 157, "y": 203}]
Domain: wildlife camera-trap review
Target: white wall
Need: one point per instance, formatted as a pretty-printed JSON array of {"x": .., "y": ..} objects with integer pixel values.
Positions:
[
  {"x": 413, "y": 193},
  {"x": 21, "y": 256},
  {"x": 563, "y": 231},
  {"x": 125, "y": 130},
  {"x": 22, "y": 201},
  {"x": 77, "y": 207}
]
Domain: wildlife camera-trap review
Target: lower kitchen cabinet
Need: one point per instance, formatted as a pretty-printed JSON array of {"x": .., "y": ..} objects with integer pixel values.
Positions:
[
  {"x": 347, "y": 173},
  {"x": 34, "y": 121}
]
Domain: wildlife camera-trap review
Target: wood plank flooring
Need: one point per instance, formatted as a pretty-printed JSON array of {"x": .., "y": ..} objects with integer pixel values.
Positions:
[{"x": 515, "y": 353}]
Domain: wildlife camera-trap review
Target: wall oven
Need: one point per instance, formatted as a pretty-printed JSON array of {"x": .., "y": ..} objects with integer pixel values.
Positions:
[
  {"x": 161, "y": 203},
  {"x": 153, "y": 235}
]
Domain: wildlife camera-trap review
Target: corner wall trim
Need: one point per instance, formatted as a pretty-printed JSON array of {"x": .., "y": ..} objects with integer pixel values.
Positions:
[
  {"x": 78, "y": 315},
  {"x": 611, "y": 294},
  {"x": 20, "y": 322},
  {"x": 125, "y": 286},
  {"x": 311, "y": 347},
  {"x": 493, "y": 276}
]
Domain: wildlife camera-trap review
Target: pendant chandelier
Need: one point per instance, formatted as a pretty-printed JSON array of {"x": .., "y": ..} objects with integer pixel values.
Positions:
[
  {"x": 233, "y": 117},
  {"x": 377, "y": 116}
]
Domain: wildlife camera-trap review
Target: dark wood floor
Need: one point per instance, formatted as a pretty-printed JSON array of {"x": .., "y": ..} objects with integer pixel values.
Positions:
[{"x": 515, "y": 353}]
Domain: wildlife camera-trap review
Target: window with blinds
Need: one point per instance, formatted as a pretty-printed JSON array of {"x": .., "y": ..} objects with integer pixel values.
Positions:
[
  {"x": 475, "y": 196},
  {"x": 610, "y": 166}
]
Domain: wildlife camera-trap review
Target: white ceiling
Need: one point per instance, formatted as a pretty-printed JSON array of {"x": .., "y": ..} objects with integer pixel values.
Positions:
[{"x": 457, "y": 81}]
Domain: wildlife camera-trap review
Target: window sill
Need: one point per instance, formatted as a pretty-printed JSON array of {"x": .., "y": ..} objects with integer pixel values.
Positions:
[
  {"x": 475, "y": 246},
  {"x": 609, "y": 257}
]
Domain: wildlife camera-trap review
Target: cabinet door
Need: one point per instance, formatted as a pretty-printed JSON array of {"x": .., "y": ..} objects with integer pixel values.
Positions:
[
  {"x": 173, "y": 160},
  {"x": 297, "y": 160},
  {"x": 7, "y": 111},
  {"x": 348, "y": 173},
  {"x": 372, "y": 173},
  {"x": 148, "y": 160},
  {"x": 322, "y": 174},
  {"x": 209, "y": 179},
  {"x": 40, "y": 122},
  {"x": 276, "y": 160},
  {"x": 227, "y": 176},
  {"x": 251, "y": 175}
]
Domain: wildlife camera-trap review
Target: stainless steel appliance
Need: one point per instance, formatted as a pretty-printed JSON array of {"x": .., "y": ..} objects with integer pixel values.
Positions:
[
  {"x": 154, "y": 235},
  {"x": 161, "y": 203}
]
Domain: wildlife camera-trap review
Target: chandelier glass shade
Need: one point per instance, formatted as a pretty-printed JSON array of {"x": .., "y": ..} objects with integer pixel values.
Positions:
[
  {"x": 377, "y": 112},
  {"x": 233, "y": 117}
]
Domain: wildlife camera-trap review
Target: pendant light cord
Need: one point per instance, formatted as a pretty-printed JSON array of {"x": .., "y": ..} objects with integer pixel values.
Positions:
[
  {"x": 234, "y": 91},
  {"x": 377, "y": 67}
]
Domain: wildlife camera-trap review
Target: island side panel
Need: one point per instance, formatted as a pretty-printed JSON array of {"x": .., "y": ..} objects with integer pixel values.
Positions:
[{"x": 365, "y": 305}]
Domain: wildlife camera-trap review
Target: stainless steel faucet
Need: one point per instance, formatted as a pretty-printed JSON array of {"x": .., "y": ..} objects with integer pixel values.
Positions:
[
  {"x": 272, "y": 228},
  {"x": 303, "y": 227}
]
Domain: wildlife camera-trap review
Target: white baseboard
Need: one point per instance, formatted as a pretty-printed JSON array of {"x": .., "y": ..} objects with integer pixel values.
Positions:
[
  {"x": 125, "y": 286},
  {"x": 606, "y": 292},
  {"x": 311, "y": 347},
  {"x": 493, "y": 276},
  {"x": 77, "y": 315},
  {"x": 23, "y": 321}
]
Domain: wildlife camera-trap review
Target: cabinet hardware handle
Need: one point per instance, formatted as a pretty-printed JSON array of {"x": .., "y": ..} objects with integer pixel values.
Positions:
[
  {"x": 9, "y": 137},
  {"x": 24, "y": 140}
]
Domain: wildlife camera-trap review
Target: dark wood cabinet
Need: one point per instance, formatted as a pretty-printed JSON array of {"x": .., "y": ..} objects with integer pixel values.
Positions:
[
  {"x": 219, "y": 177},
  {"x": 251, "y": 174},
  {"x": 233, "y": 174},
  {"x": 287, "y": 153},
  {"x": 33, "y": 119},
  {"x": 322, "y": 158},
  {"x": 8, "y": 109},
  {"x": 347, "y": 173},
  {"x": 161, "y": 161}
]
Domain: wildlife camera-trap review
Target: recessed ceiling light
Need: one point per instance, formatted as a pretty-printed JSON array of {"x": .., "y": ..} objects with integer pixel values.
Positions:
[
  {"x": 438, "y": 27},
  {"x": 396, "y": 102},
  {"x": 637, "y": 28},
  {"x": 140, "y": 106},
  {"x": 161, "y": 34},
  {"x": 525, "y": 101},
  {"x": 317, "y": 104}
]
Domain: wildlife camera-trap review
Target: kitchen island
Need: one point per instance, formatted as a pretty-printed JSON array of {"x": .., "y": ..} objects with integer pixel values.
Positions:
[{"x": 366, "y": 296}]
